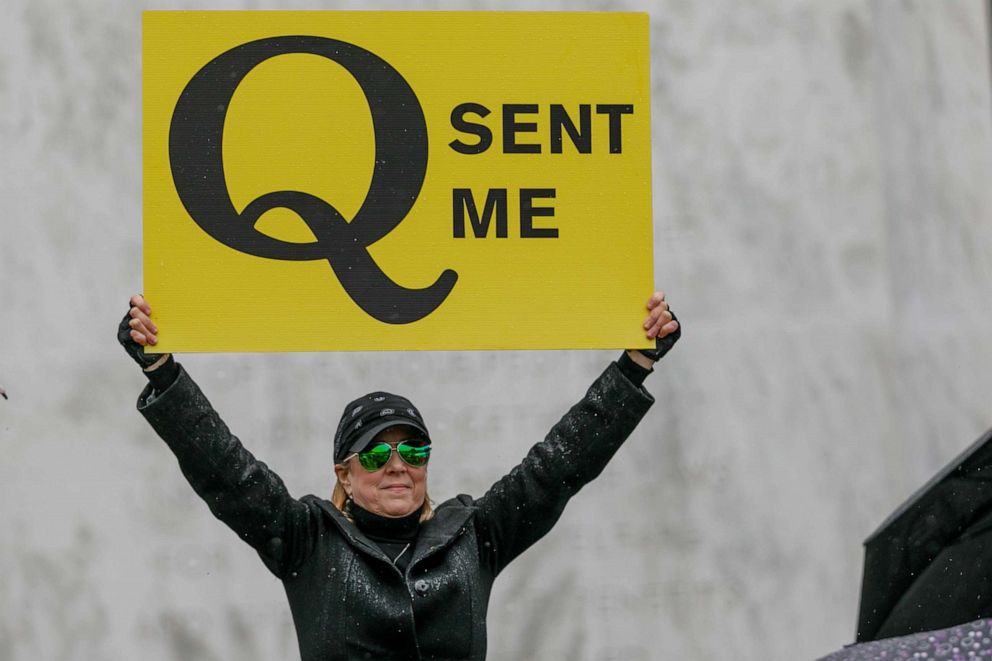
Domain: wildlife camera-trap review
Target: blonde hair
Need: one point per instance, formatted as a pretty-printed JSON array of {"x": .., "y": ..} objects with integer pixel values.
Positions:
[{"x": 340, "y": 500}]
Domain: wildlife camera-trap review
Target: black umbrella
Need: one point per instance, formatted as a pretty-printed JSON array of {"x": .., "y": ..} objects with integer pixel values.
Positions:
[
  {"x": 965, "y": 642},
  {"x": 929, "y": 565}
]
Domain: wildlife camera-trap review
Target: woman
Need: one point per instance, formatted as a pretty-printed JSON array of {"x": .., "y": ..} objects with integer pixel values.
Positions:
[{"x": 377, "y": 573}]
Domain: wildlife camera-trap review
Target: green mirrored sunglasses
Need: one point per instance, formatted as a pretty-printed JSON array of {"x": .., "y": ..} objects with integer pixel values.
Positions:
[{"x": 415, "y": 452}]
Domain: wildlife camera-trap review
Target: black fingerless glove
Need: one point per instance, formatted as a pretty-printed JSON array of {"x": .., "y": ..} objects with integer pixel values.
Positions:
[
  {"x": 663, "y": 345},
  {"x": 162, "y": 376},
  {"x": 133, "y": 349},
  {"x": 634, "y": 372}
]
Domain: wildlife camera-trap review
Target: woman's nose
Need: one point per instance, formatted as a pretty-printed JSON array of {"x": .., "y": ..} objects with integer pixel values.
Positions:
[{"x": 395, "y": 464}]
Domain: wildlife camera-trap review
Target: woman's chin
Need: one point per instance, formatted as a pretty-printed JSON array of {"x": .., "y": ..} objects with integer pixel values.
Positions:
[{"x": 399, "y": 507}]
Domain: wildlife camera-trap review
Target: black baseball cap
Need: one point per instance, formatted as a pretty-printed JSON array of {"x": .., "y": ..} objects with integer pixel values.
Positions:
[{"x": 370, "y": 414}]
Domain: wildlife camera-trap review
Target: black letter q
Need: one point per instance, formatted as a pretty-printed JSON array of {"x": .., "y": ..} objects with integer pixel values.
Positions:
[{"x": 196, "y": 137}]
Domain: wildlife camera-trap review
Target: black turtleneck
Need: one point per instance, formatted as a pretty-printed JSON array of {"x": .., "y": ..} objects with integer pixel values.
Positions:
[{"x": 395, "y": 536}]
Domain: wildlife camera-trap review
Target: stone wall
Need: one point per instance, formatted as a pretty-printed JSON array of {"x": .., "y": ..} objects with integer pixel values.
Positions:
[{"x": 823, "y": 225}]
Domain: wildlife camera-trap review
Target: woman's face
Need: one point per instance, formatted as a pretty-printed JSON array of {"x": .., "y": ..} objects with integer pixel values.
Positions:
[{"x": 396, "y": 489}]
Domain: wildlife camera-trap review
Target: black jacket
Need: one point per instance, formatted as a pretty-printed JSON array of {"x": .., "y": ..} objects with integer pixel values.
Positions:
[{"x": 347, "y": 598}]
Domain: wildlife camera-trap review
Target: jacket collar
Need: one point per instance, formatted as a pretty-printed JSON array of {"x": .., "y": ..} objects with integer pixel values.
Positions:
[
  {"x": 350, "y": 531},
  {"x": 450, "y": 520}
]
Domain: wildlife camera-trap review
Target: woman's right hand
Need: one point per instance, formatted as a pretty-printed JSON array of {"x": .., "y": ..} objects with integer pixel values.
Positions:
[
  {"x": 137, "y": 330},
  {"x": 143, "y": 329}
]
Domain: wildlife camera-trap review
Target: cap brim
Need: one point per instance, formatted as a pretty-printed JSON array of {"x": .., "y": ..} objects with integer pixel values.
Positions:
[{"x": 371, "y": 432}]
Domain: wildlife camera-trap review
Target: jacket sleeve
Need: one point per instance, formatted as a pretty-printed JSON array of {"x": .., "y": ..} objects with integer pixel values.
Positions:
[
  {"x": 523, "y": 506},
  {"x": 240, "y": 490}
]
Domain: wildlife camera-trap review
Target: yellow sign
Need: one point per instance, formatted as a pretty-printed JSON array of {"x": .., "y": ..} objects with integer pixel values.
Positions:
[{"x": 411, "y": 180}]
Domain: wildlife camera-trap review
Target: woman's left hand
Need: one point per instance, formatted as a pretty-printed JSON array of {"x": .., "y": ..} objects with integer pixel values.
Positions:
[
  {"x": 660, "y": 321},
  {"x": 660, "y": 326}
]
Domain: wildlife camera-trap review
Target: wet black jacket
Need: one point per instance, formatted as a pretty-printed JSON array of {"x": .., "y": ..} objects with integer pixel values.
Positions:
[{"x": 347, "y": 598}]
